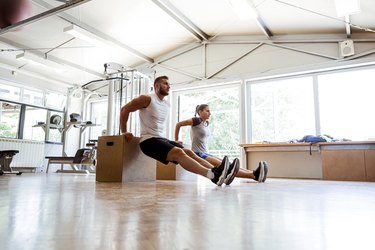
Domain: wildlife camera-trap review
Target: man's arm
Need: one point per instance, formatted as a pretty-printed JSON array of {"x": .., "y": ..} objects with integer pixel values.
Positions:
[
  {"x": 180, "y": 124},
  {"x": 137, "y": 103}
]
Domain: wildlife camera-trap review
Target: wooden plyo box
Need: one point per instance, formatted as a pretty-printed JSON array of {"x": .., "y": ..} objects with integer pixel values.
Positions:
[
  {"x": 172, "y": 171},
  {"x": 122, "y": 161}
]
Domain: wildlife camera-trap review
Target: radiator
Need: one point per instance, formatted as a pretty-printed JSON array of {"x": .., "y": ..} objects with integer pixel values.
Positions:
[{"x": 31, "y": 153}]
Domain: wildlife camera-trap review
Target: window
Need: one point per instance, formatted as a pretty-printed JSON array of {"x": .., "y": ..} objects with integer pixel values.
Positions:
[
  {"x": 30, "y": 113},
  {"x": 347, "y": 104},
  {"x": 9, "y": 92},
  {"x": 224, "y": 122},
  {"x": 55, "y": 100},
  {"x": 282, "y": 110},
  {"x": 33, "y": 97},
  {"x": 37, "y": 128},
  {"x": 34, "y": 116},
  {"x": 98, "y": 116},
  {"x": 9, "y": 119},
  {"x": 56, "y": 126}
]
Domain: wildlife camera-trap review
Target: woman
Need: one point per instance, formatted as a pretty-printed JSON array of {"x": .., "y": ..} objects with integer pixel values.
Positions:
[{"x": 199, "y": 139}]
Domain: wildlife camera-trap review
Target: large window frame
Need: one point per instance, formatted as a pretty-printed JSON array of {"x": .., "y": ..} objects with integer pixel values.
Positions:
[
  {"x": 44, "y": 106},
  {"x": 319, "y": 106},
  {"x": 10, "y": 119},
  {"x": 216, "y": 122},
  {"x": 280, "y": 107},
  {"x": 46, "y": 131}
]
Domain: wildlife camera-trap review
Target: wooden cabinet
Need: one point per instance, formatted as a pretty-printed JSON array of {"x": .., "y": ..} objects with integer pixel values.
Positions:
[
  {"x": 344, "y": 165},
  {"x": 342, "y": 161},
  {"x": 370, "y": 165}
]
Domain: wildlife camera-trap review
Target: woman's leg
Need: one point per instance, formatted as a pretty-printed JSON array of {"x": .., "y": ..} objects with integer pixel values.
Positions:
[
  {"x": 245, "y": 173},
  {"x": 242, "y": 173}
]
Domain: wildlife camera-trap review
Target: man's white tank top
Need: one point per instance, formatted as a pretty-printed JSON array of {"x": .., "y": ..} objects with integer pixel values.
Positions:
[{"x": 153, "y": 118}]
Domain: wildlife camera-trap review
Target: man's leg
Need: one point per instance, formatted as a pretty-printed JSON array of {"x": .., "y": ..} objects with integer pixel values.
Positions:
[
  {"x": 188, "y": 163},
  {"x": 165, "y": 150},
  {"x": 216, "y": 174},
  {"x": 204, "y": 162}
]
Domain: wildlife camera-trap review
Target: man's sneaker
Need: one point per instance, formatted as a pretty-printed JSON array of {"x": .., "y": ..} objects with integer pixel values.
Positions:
[
  {"x": 265, "y": 171},
  {"x": 220, "y": 172},
  {"x": 259, "y": 172},
  {"x": 232, "y": 171}
]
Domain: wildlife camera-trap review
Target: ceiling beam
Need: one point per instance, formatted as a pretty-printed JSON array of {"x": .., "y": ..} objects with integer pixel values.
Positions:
[
  {"x": 235, "y": 61},
  {"x": 302, "y": 51},
  {"x": 359, "y": 55},
  {"x": 35, "y": 75},
  {"x": 178, "y": 71},
  {"x": 49, "y": 57},
  {"x": 184, "y": 51},
  {"x": 173, "y": 12},
  {"x": 52, "y": 11},
  {"x": 291, "y": 39},
  {"x": 263, "y": 27},
  {"x": 96, "y": 32},
  {"x": 261, "y": 24}
]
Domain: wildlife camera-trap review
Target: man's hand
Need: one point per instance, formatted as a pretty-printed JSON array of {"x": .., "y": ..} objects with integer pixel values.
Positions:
[
  {"x": 181, "y": 143},
  {"x": 128, "y": 136}
]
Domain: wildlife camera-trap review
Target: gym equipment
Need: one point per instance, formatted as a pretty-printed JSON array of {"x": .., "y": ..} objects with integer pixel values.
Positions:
[
  {"x": 6, "y": 157},
  {"x": 83, "y": 157},
  {"x": 55, "y": 119},
  {"x": 122, "y": 161},
  {"x": 74, "y": 117}
]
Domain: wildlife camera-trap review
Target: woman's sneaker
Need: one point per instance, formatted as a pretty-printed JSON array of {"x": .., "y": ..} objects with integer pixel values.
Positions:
[
  {"x": 259, "y": 172},
  {"x": 232, "y": 171},
  {"x": 265, "y": 171},
  {"x": 220, "y": 172}
]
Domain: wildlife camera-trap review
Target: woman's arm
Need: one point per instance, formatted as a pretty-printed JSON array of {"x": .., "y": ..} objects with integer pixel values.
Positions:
[{"x": 188, "y": 122}]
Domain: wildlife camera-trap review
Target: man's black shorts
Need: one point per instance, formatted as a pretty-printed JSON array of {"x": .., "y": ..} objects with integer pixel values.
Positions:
[{"x": 158, "y": 148}]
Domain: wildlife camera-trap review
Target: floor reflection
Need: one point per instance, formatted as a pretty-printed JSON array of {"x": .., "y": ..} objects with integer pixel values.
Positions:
[{"x": 66, "y": 211}]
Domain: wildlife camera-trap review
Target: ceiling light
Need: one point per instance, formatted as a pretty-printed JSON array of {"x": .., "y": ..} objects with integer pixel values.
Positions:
[
  {"x": 40, "y": 61},
  {"x": 243, "y": 9},
  {"x": 347, "y": 7},
  {"x": 85, "y": 35}
]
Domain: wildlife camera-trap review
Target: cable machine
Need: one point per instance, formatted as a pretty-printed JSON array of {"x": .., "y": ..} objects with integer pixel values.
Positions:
[{"x": 121, "y": 85}]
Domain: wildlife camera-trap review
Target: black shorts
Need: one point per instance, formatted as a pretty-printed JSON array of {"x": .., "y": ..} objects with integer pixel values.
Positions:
[{"x": 158, "y": 148}]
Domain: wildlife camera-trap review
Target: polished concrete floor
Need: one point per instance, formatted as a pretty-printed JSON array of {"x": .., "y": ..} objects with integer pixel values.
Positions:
[{"x": 69, "y": 211}]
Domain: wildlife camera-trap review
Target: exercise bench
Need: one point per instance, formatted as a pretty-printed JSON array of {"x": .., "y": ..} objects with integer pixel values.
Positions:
[
  {"x": 83, "y": 157},
  {"x": 6, "y": 157}
]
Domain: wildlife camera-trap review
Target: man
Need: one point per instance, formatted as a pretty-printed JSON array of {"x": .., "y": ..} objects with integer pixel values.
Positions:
[{"x": 153, "y": 113}]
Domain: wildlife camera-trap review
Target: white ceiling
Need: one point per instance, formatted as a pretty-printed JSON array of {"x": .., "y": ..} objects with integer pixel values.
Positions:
[{"x": 140, "y": 32}]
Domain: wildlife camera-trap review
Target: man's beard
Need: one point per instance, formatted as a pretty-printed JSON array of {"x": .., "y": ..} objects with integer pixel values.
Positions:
[{"x": 163, "y": 92}]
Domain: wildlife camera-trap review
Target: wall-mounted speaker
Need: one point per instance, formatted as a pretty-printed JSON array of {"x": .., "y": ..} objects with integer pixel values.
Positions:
[{"x": 346, "y": 48}]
